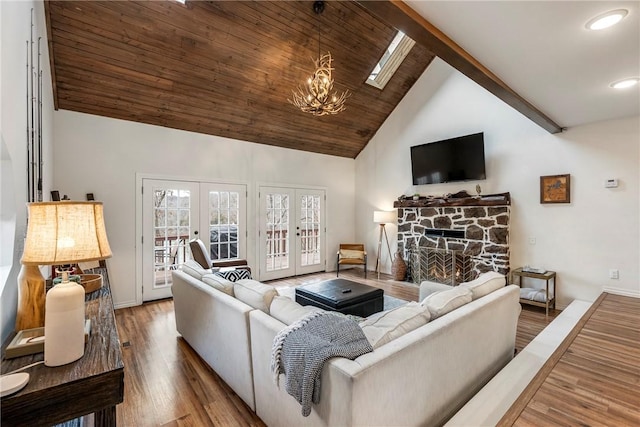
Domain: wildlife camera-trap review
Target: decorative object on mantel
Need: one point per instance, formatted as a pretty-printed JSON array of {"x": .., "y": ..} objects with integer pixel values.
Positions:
[
  {"x": 318, "y": 97},
  {"x": 60, "y": 233},
  {"x": 399, "y": 267},
  {"x": 478, "y": 189},
  {"x": 449, "y": 200},
  {"x": 555, "y": 189}
]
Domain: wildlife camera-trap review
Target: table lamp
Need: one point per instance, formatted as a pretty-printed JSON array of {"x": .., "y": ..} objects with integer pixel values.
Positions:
[
  {"x": 59, "y": 233},
  {"x": 382, "y": 218}
]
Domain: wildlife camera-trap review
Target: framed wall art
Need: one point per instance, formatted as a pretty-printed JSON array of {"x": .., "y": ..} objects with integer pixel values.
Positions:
[{"x": 555, "y": 189}]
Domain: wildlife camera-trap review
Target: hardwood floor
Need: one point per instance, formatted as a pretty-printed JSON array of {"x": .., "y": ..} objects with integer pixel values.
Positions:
[
  {"x": 167, "y": 384},
  {"x": 593, "y": 378}
]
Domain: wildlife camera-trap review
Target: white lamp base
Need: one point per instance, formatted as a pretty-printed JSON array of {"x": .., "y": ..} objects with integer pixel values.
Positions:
[{"x": 64, "y": 324}]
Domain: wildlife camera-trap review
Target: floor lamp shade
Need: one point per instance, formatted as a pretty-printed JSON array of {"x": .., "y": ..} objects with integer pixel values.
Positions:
[
  {"x": 384, "y": 217},
  {"x": 59, "y": 233}
]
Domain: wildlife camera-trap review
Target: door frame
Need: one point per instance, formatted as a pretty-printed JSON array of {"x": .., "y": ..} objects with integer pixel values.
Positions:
[
  {"x": 257, "y": 216},
  {"x": 139, "y": 230}
]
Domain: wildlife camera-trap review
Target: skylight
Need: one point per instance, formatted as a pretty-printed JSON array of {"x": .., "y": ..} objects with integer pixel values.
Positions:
[{"x": 391, "y": 60}]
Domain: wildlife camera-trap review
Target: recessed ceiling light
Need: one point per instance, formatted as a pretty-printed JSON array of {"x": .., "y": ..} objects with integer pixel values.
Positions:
[
  {"x": 625, "y": 83},
  {"x": 607, "y": 19}
]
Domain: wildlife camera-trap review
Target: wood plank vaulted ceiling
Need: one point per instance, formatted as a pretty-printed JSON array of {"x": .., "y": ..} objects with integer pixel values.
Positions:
[{"x": 225, "y": 68}]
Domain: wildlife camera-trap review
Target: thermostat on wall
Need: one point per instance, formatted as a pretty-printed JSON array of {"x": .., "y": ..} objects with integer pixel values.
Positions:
[{"x": 611, "y": 183}]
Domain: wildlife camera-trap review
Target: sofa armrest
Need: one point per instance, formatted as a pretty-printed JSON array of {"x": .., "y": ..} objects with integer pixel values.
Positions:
[{"x": 210, "y": 320}]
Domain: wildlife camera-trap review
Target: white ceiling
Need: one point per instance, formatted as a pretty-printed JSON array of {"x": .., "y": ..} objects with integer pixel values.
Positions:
[{"x": 542, "y": 50}]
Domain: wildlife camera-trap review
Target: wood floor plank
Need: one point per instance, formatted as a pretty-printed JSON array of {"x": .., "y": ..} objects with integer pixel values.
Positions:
[{"x": 594, "y": 378}]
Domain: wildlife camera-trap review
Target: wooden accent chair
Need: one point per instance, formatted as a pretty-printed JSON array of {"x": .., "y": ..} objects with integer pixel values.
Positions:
[{"x": 352, "y": 254}]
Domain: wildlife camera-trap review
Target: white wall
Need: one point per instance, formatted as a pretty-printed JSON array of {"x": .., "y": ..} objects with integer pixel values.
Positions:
[
  {"x": 15, "y": 19},
  {"x": 102, "y": 156},
  {"x": 582, "y": 240}
]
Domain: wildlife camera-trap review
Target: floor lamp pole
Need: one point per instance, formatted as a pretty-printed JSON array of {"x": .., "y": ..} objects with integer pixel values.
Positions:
[{"x": 383, "y": 230}]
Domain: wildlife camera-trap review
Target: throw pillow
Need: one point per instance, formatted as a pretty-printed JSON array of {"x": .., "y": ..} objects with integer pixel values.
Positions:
[
  {"x": 194, "y": 269},
  {"x": 219, "y": 283},
  {"x": 352, "y": 254},
  {"x": 256, "y": 294},
  {"x": 288, "y": 311},
  {"x": 235, "y": 274},
  {"x": 383, "y": 327},
  {"x": 441, "y": 303},
  {"x": 485, "y": 284}
]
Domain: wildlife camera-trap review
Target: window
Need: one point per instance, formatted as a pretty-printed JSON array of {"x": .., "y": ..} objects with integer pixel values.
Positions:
[{"x": 391, "y": 60}]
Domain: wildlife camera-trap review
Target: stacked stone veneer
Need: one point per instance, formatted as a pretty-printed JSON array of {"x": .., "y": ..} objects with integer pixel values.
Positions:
[{"x": 486, "y": 239}]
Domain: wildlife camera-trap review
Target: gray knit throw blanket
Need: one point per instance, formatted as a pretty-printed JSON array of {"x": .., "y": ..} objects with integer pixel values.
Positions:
[{"x": 300, "y": 351}]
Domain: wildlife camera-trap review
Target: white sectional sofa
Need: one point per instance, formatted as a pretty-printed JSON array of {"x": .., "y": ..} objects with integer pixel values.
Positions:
[{"x": 419, "y": 378}]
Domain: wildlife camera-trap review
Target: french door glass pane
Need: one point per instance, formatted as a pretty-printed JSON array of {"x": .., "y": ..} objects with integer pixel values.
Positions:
[
  {"x": 309, "y": 230},
  {"x": 172, "y": 224},
  {"x": 277, "y": 229},
  {"x": 224, "y": 211}
]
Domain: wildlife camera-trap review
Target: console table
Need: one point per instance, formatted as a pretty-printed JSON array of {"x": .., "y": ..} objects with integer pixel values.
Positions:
[{"x": 92, "y": 384}]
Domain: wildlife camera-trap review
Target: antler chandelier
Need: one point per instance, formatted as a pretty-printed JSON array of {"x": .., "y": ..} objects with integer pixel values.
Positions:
[{"x": 317, "y": 96}]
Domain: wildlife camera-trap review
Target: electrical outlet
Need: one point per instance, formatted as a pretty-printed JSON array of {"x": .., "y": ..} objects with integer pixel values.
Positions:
[
  {"x": 614, "y": 274},
  {"x": 532, "y": 240}
]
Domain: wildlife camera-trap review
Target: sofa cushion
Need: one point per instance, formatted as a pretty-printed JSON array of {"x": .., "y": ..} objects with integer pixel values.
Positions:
[
  {"x": 442, "y": 302},
  {"x": 380, "y": 328},
  {"x": 427, "y": 288},
  {"x": 485, "y": 284},
  {"x": 194, "y": 269},
  {"x": 256, "y": 294},
  {"x": 219, "y": 283},
  {"x": 287, "y": 310}
]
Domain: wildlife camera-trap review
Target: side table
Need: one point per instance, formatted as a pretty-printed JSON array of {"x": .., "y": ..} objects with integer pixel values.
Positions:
[
  {"x": 547, "y": 276},
  {"x": 92, "y": 384}
]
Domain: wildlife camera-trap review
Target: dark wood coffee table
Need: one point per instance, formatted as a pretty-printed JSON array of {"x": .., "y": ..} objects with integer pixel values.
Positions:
[{"x": 343, "y": 296}]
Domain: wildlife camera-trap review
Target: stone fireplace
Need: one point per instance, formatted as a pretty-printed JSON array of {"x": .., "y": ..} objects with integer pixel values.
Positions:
[{"x": 454, "y": 240}]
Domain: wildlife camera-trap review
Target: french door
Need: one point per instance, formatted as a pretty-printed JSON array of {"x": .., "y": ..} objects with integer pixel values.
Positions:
[
  {"x": 173, "y": 213},
  {"x": 291, "y": 232}
]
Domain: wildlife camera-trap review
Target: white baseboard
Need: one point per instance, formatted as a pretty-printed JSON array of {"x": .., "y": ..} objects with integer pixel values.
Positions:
[
  {"x": 623, "y": 292},
  {"x": 126, "y": 304}
]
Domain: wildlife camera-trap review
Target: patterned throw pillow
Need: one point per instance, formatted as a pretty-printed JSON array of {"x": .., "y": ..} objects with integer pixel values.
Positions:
[{"x": 234, "y": 275}]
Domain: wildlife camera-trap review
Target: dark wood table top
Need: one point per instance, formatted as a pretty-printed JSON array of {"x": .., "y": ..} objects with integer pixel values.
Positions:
[
  {"x": 90, "y": 384},
  {"x": 339, "y": 292}
]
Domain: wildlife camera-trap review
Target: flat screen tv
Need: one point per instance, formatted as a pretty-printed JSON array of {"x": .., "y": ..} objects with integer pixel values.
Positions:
[{"x": 449, "y": 160}]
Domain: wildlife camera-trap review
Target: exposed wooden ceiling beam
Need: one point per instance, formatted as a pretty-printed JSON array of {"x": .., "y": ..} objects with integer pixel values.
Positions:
[{"x": 399, "y": 15}]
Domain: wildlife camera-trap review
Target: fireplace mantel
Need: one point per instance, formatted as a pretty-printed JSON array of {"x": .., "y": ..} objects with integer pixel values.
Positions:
[{"x": 500, "y": 199}]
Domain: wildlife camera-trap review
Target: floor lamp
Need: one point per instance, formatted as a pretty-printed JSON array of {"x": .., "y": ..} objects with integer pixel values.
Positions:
[{"x": 382, "y": 218}]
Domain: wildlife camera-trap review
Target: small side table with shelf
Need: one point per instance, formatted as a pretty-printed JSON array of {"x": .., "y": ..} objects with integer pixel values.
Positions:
[{"x": 547, "y": 276}]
